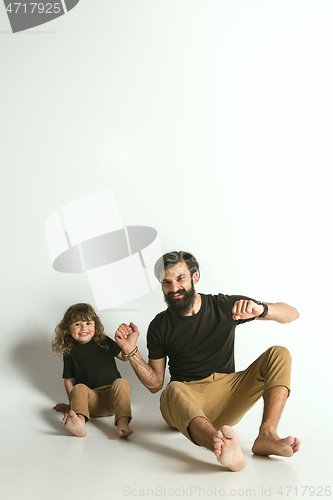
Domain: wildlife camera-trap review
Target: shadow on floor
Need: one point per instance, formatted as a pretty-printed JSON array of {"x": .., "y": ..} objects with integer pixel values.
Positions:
[{"x": 33, "y": 359}]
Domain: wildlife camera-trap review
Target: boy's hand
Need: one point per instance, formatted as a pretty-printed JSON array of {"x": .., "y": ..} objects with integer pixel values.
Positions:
[
  {"x": 62, "y": 407},
  {"x": 126, "y": 337}
]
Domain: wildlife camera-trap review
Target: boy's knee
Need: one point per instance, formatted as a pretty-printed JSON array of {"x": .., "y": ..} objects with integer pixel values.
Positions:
[
  {"x": 79, "y": 388},
  {"x": 121, "y": 384}
]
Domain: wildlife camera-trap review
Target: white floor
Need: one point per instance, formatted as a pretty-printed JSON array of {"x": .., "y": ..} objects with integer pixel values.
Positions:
[{"x": 41, "y": 460}]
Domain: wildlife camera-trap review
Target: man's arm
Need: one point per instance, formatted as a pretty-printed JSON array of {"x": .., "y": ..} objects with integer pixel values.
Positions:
[
  {"x": 150, "y": 374},
  {"x": 280, "y": 312}
]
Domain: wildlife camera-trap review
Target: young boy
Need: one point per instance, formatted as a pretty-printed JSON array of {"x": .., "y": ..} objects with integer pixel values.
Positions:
[{"x": 92, "y": 381}]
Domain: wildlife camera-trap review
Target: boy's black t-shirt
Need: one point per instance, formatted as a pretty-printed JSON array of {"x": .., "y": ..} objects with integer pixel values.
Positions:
[
  {"x": 91, "y": 364},
  {"x": 196, "y": 345}
]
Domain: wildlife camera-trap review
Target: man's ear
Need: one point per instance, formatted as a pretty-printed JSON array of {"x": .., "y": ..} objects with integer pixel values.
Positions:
[{"x": 195, "y": 277}]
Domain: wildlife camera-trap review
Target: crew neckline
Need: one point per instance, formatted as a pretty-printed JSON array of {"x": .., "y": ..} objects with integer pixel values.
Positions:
[{"x": 86, "y": 344}]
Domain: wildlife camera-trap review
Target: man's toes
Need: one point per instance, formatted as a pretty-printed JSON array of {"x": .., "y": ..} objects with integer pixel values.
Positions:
[{"x": 228, "y": 432}]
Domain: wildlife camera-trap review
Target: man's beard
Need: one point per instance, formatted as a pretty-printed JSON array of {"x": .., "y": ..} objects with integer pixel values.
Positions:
[{"x": 181, "y": 306}]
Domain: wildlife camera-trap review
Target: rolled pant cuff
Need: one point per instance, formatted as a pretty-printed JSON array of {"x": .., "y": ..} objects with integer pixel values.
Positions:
[
  {"x": 117, "y": 417},
  {"x": 186, "y": 431},
  {"x": 277, "y": 384}
]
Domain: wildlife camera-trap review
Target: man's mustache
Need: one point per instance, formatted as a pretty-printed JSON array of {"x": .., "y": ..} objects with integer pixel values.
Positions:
[{"x": 172, "y": 294}]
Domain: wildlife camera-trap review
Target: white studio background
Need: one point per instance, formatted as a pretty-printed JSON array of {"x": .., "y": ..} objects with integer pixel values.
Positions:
[{"x": 211, "y": 121}]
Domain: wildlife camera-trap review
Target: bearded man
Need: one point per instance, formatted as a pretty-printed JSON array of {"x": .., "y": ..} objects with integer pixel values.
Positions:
[{"x": 205, "y": 396}]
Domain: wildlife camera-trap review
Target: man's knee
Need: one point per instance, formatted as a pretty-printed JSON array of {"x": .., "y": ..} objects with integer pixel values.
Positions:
[
  {"x": 174, "y": 391},
  {"x": 171, "y": 397},
  {"x": 281, "y": 353}
]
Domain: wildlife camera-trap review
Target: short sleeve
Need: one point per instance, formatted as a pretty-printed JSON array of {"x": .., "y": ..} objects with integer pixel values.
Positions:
[
  {"x": 69, "y": 370},
  {"x": 154, "y": 346},
  {"x": 227, "y": 302},
  {"x": 113, "y": 346}
]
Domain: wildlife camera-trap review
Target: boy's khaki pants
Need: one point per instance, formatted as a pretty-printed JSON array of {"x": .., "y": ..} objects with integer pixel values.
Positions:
[
  {"x": 223, "y": 399},
  {"x": 111, "y": 399}
]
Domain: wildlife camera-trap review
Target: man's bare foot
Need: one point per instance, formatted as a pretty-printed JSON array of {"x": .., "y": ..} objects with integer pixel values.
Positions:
[
  {"x": 75, "y": 423},
  {"x": 227, "y": 450},
  {"x": 269, "y": 443},
  {"x": 124, "y": 429}
]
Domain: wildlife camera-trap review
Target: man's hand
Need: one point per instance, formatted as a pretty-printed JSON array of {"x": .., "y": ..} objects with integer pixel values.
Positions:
[
  {"x": 62, "y": 407},
  {"x": 126, "y": 337},
  {"x": 246, "y": 309}
]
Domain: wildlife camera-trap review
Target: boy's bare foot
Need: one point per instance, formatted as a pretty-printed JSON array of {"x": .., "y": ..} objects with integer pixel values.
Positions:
[
  {"x": 269, "y": 443},
  {"x": 64, "y": 408},
  {"x": 124, "y": 429},
  {"x": 75, "y": 423},
  {"x": 227, "y": 450}
]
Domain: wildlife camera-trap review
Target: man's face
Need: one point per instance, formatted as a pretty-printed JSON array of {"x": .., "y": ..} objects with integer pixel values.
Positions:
[{"x": 178, "y": 288}]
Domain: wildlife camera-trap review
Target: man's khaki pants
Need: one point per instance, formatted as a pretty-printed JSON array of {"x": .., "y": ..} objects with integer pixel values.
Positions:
[
  {"x": 223, "y": 399},
  {"x": 111, "y": 399}
]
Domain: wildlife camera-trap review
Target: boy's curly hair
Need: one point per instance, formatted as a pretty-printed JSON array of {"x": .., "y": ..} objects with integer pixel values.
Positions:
[{"x": 63, "y": 341}]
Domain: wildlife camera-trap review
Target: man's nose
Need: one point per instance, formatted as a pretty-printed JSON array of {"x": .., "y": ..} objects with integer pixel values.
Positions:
[{"x": 174, "y": 286}]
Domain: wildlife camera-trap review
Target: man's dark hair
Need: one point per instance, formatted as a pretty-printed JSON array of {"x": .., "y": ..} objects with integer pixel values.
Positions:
[{"x": 170, "y": 259}]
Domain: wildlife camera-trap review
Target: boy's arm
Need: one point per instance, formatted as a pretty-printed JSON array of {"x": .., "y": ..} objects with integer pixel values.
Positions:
[
  {"x": 69, "y": 384},
  {"x": 150, "y": 374},
  {"x": 122, "y": 356},
  {"x": 64, "y": 408}
]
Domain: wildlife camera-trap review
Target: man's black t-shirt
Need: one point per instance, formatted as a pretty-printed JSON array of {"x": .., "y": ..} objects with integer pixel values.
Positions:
[
  {"x": 196, "y": 345},
  {"x": 91, "y": 364}
]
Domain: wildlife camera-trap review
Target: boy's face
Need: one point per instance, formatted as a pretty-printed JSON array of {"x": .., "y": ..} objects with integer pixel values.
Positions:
[{"x": 82, "y": 331}]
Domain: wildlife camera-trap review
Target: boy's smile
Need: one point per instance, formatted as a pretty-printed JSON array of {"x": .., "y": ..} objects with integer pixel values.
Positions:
[{"x": 82, "y": 331}]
